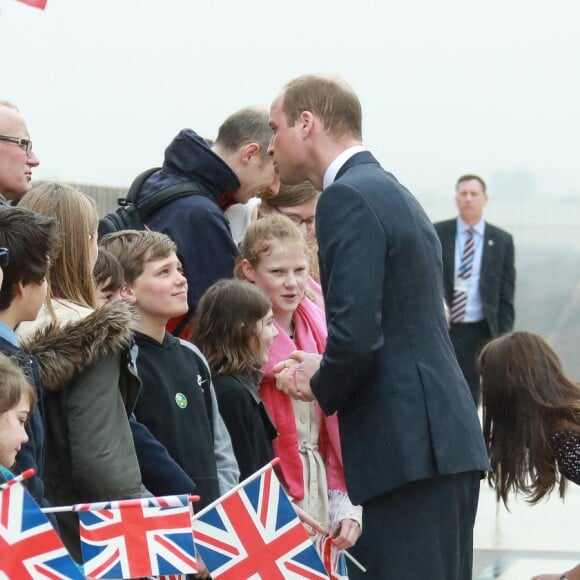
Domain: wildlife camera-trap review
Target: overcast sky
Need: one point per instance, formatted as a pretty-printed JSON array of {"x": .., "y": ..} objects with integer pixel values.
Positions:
[{"x": 448, "y": 87}]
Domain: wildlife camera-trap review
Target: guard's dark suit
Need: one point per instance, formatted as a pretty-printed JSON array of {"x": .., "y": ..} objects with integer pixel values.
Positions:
[{"x": 496, "y": 286}]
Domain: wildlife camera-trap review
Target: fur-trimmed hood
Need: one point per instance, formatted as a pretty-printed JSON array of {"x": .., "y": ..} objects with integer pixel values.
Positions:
[{"x": 65, "y": 349}]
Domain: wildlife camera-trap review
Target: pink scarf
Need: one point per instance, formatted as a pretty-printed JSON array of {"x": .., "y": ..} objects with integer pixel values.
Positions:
[{"x": 309, "y": 336}]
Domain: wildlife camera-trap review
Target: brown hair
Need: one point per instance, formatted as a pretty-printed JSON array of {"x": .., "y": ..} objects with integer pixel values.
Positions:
[
  {"x": 135, "y": 248},
  {"x": 70, "y": 275},
  {"x": 226, "y": 319},
  {"x": 330, "y": 99},
  {"x": 13, "y": 384},
  {"x": 107, "y": 266},
  {"x": 526, "y": 399},
  {"x": 291, "y": 195},
  {"x": 32, "y": 240},
  {"x": 249, "y": 125},
  {"x": 260, "y": 236},
  {"x": 469, "y": 177}
]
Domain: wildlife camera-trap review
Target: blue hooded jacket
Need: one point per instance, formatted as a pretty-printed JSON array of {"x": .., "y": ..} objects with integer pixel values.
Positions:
[{"x": 196, "y": 223}]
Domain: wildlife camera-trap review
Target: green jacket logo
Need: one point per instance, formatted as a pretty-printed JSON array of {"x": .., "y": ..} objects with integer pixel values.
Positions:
[{"x": 181, "y": 400}]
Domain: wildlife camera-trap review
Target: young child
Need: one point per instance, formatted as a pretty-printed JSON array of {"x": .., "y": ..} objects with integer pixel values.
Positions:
[
  {"x": 32, "y": 241},
  {"x": 234, "y": 330},
  {"x": 274, "y": 256},
  {"x": 108, "y": 276},
  {"x": 531, "y": 420},
  {"x": 17, "y": 400},
  {"x": 177, "y": 402},
  {"x": 298, "y": 203}
]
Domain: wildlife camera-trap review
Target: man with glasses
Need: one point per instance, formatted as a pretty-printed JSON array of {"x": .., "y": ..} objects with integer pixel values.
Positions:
[{"x": 16, "y": 156}]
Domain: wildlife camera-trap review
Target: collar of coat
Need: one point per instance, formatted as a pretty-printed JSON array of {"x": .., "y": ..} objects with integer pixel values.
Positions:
[{"x": 64, "y": 351}]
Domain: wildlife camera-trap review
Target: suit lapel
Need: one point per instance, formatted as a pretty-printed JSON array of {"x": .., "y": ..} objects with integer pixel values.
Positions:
[
  {"x": 487, "y": 255},
  {"x": 448, "y": 254}
]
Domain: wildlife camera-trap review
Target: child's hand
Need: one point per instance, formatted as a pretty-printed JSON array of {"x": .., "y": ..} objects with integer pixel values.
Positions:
[{"x": 347, "y": 535}]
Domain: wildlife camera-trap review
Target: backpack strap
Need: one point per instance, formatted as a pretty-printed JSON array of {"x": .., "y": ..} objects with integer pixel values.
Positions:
[
  {"x": 160, "y": 198},
  {"x": 137, "y": 184}
]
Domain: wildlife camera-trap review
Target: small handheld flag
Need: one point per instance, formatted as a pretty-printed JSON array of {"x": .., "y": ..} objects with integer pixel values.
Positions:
[
  {"x": 135, "y": 538},
  {"x": 30, "y": 548},
  {"x": 255, "y": 533}
]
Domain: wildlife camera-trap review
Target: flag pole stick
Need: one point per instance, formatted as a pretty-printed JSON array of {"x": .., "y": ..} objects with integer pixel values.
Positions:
[
  {"x": 138, "y": 502},
  {"x": 355, "y": 561},
  {"x": 236, "y": 488},
  {"x": 27, "y": 474}
]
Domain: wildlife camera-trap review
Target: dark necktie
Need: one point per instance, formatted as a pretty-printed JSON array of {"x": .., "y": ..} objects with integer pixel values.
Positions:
[{"x": 460, "y": 296}]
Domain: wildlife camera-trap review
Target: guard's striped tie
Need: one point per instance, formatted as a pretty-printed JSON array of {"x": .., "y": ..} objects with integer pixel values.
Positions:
[{"x": 460, "y": 297}]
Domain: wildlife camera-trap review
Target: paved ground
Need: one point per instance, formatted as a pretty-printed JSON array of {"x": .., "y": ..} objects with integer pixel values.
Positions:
[{"x": 516, "y": 544}]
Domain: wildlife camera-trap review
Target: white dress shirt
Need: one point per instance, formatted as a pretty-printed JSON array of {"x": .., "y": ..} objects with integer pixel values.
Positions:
[{"x": 334, "y": 167}]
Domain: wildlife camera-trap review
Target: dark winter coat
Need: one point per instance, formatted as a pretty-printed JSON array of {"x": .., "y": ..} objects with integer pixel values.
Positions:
[{"x": 90, "y": 390}]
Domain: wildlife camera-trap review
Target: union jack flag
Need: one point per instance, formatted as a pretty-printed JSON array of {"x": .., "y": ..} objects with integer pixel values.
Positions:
[
  {"x": 255, "y": 533},
  {"x": 135, "y": 538},
  {"x": 333, "y": 558},
  {"x": 29, "y": 545}
]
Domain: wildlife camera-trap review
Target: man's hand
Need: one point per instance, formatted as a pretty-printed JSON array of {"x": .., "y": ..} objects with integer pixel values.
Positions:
[{"x": 293, "y": 375}]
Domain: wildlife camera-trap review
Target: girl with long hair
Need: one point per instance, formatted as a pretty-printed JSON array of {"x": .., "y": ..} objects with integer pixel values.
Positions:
[
  {"x": 531, "y": 420},
  {"x": 234, "y": 329},
  {"x": 88, "y": 379}
]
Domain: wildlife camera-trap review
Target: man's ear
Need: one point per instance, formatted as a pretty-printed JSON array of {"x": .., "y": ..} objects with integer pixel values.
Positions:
[
  {"x": 127, "y": 293},
  {"x": 306, "y": 121},
  {"x": 248, "y": 151},
  {"x": 248, "y": 270}
]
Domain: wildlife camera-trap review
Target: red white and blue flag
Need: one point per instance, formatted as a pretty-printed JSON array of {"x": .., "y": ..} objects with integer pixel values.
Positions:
[
  {"x": 333, "y": 558},
  {"x": 29, "y": 545},
  {"x": 255, "y": 534},
  {"x": 135, "y": 538}
]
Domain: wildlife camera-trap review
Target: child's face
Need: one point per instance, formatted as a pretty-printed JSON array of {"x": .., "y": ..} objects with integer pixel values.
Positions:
[
  {"x": 12, "y": 433},
  {"x": 281, "y": 274},
  {"x": 106, "y": 294},
  {"x": 265, "y": 334},
  {"x": 160, "y": 291}
]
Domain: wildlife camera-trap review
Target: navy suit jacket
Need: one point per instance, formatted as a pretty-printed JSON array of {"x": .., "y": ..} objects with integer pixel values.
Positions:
[
  {"x": 405, "y": 411},
  {"x": 497, "y": 275}
]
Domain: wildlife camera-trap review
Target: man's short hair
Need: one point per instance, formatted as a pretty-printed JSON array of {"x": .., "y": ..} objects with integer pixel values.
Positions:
[
  {"x": 135, "y": 248},
  {"x": 331, "y": 99},
  {"x": 107, "y": 267},
  {"x": 469, "y": 177},
  {"x": 249, "y": 125},
  {"x": 32, "y": 239}
]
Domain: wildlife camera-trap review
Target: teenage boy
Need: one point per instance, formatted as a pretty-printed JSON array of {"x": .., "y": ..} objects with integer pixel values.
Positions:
[
  {"x": 177, "y": 402},
  {"x": 31, "y": 239}
]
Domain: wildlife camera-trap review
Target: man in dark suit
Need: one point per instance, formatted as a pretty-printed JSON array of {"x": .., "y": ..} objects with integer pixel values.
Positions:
[
  {"x": 411, "y": 441},
  {"x": 478, "y": 277}
]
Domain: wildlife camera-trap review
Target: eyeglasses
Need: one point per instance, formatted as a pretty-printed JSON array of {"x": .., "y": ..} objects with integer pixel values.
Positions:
[
  {"x": 24, "y": 144},
  {"x": 298, "y": 220}
]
